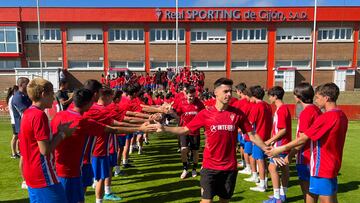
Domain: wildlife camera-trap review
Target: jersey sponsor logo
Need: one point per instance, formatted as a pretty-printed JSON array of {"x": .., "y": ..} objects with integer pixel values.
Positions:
[
  {"x": 190, "y": 113},
  {"x": 214, "y": 128}
]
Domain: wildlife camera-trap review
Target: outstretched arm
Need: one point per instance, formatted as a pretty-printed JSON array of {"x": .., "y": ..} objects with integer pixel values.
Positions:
[{"x": 295, "y": 143}]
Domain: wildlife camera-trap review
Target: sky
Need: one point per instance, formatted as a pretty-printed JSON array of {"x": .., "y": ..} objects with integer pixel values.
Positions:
[{"x": 171, "y": 3}]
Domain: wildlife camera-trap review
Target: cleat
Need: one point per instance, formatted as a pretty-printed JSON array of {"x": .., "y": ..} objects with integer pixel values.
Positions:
[
  {"x": 112, "y": 197},
  {"x": 273, "y": 200},
  {"x": 24, "y": 186},
  {"x": 252, "y": 179},
  {"x": 245, "y": 171},
  {"x": 193, "y": 173},
  {"x": 258, "y": 189},
  {"x": 183, "y": 174}
]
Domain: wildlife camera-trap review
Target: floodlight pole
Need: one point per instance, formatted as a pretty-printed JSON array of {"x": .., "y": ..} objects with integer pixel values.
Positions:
[
  {"x": 177, "y": 35},
  {"x": 313, "y": 46}
]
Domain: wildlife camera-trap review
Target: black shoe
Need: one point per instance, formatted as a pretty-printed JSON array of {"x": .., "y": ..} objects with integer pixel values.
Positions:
[
  {"x": 128, "y": 166},
  {"x": 15, "y": 156}
]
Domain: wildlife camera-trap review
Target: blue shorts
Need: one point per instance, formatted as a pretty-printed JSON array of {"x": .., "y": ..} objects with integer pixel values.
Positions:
[
  {"x": 241, "y": 140},
  {"x": 303, "y": 172},
  {"x": 248, "y": 147},
  {"x": 257, "y": 153},
  {"x": 74, "y": 189},
  {"x": 50, "y": 194},
  {"x": 101, "y": 167},
  {"x": 121, "y": 140},
  {"x": 87, "y": 175},
  {"x": 323, "y": 186},
  {"x": 113, "y": 160},
  {"x": 280, "y": 155}
]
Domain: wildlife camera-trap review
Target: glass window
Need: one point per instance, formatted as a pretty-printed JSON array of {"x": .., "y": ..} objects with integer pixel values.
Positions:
[
  {"x": 233, "y": 35},
  {"x": 245, "y": 34},
  {"x": 77, "y": 64},
  {"x": 170, "y": 34},
  {"x": 2, "y": 47},
  {"x": 158, "y": 35},
  {"x": 100, "y": 37},
  {"x": 323, "y": 63},
  {"x": 282, "y": 63},
  {"x": 152, "y": 35},
  {"x": 111, "y": 35},
  {"x": 257, "y": 34},
  {"x": 239, "y": 64},
  {"x": 135, "y": 64},
  {"x": 252, "y": 34},
  {"x": 54, "y": 64},
  {"x": 141, "y": 35},
  {"x": 256, "y": 64},
  {"x": 2, "y": 36},
  {"x": 216, "y": 64},
  {"x": 122, "y": 35},
  {"x": 158, "y": 64},
  {"x": 240, "y": 34},
  {"x": 348, "y": 33},
  {"x": 337, "y": 34},
  {"x": 198, "y": 36},
  {"x": 341, "y": 63},
  {"x": 95, "y": 64},
  {"x": 88, "y": 37},
  {"x": 11, "y": 47},
  {"x": 263, "y": 34},
  {"x": 301, "y": 64},
  {"x": 129, "y": 35},
  {"x": 199, "y": 64},
  {"x": 10, "y": 36},
  {"x": 182, "y": 35},
  {"x": 193, "y": 36},
  {"x": 163, "y": 35},
  {"x": 204, "y": 35},
  {"x": 118, "y": 64}
]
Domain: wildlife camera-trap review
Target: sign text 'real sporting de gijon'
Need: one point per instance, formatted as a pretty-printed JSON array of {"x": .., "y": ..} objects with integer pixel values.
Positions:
[{"x": 231, "y": 14}]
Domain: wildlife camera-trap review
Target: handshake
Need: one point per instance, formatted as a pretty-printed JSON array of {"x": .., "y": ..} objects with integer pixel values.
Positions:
[
  {"x": 151, "y": 126},
  {"x": 273, "y": 153}
]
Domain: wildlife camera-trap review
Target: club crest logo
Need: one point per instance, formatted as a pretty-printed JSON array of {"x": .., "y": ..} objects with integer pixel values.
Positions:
[
  {"x": 232, "y": 116},
  {"x": 158, "y": 13}
]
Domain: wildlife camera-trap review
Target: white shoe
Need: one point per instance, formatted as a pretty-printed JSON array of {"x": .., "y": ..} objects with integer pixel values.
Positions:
[
  {"x": 94, "y": 185},
  {"x": 245, "y": 171},
  {"x": 24, "y": 186},
  {"x": 252, "y": 179},
  {"x": 258, "y": 189},
  {"x": 183, "y": 174},
  {"x": 131, "y": 150},
  {"x": 140, "y": 150},
  {"x": 193, "y": 173},
  {"x": 266, "y": 185}
]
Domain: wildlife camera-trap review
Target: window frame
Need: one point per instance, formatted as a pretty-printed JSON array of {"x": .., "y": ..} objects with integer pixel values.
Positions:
[
  {"x": 334, "y": 30},
  {"x": 127, "y": 65},
  {"x": 17, "y": 42},
  {"x": 292, "y": 64},
  {"x": 87, "y": 65},
  {"x": 125, "y": 31},
  {"x": 207, "y": 65},
  {"x": 158, "y": 35},
  {"x": 292, "y": 37},
  {"x": 332, "y": 67},
  {"x": 248, "y": 67},
  {"x": 247, "y": 32}
]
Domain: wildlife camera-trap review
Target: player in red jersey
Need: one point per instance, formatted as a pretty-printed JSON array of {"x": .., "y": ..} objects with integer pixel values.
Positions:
[
  {"x": 281, "y": 135},
  {"x": 261, "y": 119},
  {"x": 304, "y": 94},
  {"x": 327, "y": 135},
  {"x": 219, "y": 169},
  {"x": 187, "y": 111},
  {"x": 37, "y": 145}
]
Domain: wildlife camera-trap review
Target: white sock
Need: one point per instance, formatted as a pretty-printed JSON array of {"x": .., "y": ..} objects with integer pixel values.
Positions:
[
  {"x": 99, "y": 200},
  {"x": 283, "y": 190},
  {"x": 247, "y": 167},
  {"x": 262, "y": 183},
  {"x": 125, "y": 161},
  {"x": 277, "y": 193},
  {"x": 254, "y": 175},
  {"x": 107, "y": 189},
  {"x": 146, "y": 139}
]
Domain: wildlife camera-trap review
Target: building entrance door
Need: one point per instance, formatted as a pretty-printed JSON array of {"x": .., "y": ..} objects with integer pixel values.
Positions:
[{"x": 340, "y": 79}]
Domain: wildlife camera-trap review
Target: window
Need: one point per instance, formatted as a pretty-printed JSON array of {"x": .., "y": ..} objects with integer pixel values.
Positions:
[
  {"x": 332, "y": 64},
  {"x": 86, "y": 64},
  {"x": 85, "y": 35},
  {"x": 208, "y": 35},
  {"x": 9, "y": 64},
  {"x": 165, "y": 64},
  {"x": 208, "y": 65},
  {"x": 334, "y": 34},
  {"x": 279, "y": 75},
  {"x": 298, "y": 64},
  {"x": 46, "y": 35},
  {"x": 248, "y": 64},
  {"x": 45, "y": 64},
  {"x": 240, "y": 35},
  {"x": 9, "y": 40},
  {"x": 166, "y": 35},
  {"x": 293, "y": 34},
  {"x": 126, "y": 35},
  {"x": 132, "y": 65}
]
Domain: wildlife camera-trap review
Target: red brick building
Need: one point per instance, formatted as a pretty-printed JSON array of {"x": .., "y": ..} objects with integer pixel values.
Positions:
[{"x": 265, "y": 46}]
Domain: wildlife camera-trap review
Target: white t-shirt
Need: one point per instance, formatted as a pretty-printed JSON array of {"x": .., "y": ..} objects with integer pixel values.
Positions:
[{"x": 11, "y": 110}]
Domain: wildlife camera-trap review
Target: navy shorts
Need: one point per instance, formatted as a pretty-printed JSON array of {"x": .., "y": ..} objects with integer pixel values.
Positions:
[
  {"x": 113, "y": 160},
  {"x": 101, "y": 167},
  {"x": 303, "y": 172},
  {"x": 121, "y": 141},
  {"x": 323, "y": 186},
  {"x": 248, "y": 147},
  {"x": 50, "y": 194},
  {"x": 87, "y": 175},
  {"x": 74, "y": 189},
  {"x": 280, "y": 155},
  {"x": 257, "y": 153}
]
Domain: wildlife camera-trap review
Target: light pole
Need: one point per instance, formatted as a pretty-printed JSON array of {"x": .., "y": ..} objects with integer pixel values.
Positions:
[
  {"x": 39, "y": 36},
  {"x": 313, "y": 46},
  {"x": 177, "y": 35}
]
